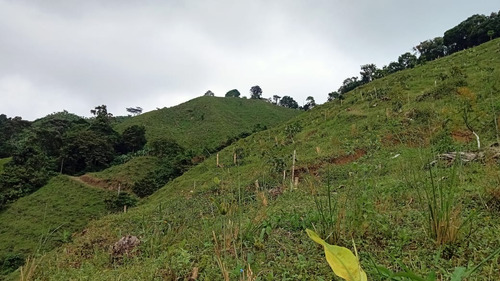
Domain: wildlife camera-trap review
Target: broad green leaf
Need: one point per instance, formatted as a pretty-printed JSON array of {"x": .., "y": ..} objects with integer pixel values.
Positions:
[
  {"x": 216, "y": 180},
  {"x": 458, "y": 274},
  {"x": 342, "y": 261}
]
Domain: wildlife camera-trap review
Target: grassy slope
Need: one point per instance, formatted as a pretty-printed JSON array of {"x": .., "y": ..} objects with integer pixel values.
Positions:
[
  {"x": 38, "y": 222},
  {"x": 207, "y": 122},
  {"x": 223, "y": 119},
  {"x": 126, "y": 174},
  {"x": 371, "y": 147}
]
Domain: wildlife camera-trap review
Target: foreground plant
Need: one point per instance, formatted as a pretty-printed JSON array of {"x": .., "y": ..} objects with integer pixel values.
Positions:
[{"x": 342, "y": 261}]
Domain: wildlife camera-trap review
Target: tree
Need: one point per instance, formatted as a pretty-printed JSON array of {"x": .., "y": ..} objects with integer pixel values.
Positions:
[
  {"x": 431, "y": 49},
  {"x": 233, "y": 94},
  {"x": 349, "y": 84},
  {"x": 491, "y": 33},
  {"x": 10, "y": 129},
  {"x": 165, "y": 148},
  {"x": 367, "y": 72},
  {"x": 469, "y": 33},
  {"x": 289, "y": 102},
  {"x": 255, "y": 92},
  {"x": 133, "y": 139},
  {"x": 310, "y": 103},
  {"x": 407, "y": 60},
  {"x": 209, "y": 94},
  {"x": 101, "y": 111},
  {"x": 335, "y": 96},
  {"x": 393, "y": 67},
  {"x": 134, "y": 110},
  {"x": 276, "y": 99},
  {"x": 86, "y": 151}
]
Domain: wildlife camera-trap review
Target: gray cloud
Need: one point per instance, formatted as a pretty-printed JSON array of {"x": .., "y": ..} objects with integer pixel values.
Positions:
[{"x": 74, "y": 55}]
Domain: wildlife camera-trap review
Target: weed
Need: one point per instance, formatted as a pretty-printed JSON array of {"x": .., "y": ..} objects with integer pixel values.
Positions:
[
  {"x": 442, "y": 210},
  {"x": 27, "y": 271},
  {"x": 330, "y": 212}
]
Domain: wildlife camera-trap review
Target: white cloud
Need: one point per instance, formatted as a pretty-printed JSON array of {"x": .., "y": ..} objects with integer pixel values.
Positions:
[{"x": 74, "y": 55}]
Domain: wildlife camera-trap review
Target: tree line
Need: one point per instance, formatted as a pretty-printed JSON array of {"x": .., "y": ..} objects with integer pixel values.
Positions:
[
  {"x": 60, "y": 143},
  {"x": 471, "y": 32},
  {"x": 256, "y": 93}
]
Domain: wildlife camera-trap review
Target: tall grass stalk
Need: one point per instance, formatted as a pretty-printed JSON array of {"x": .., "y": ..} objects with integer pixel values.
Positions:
[
  {"x": 442, "y": 210},
  {"x": 27, "y": 271},
  {"x": 329, "y": 213}
]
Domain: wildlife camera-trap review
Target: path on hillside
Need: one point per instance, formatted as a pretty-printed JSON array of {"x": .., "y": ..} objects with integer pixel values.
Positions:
[{"x": 96, "y": 182}]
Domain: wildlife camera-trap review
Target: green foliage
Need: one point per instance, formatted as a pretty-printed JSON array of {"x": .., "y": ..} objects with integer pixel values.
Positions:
[
  {"x": 173, "y": 162},
  {"x": 289, "y": 102},
  {"x": 233, "y": 94},
  {"x": 10, "y": 262},
  {"x": 442, "y": 210},
  {"x": 86, "y": 151},
  {"x": 37, "y": 222},
  {"x": 259, "y": 225},
  {"x": 10, "y": 130},
  {"x": 117, "y": 202},
  {"x": 205, "y": 124},
  {"x": 133, "y": 139},
  {"x": 165, "y": 147},
  {"x": 3, "y": 161},
  {"x": 329, "y": 206},
  {"x": 342, "y": 261},
  {"x": 291, "y": 130},
  {"x": 443, "y": 142},
  {"x": 255, "y": 92}
]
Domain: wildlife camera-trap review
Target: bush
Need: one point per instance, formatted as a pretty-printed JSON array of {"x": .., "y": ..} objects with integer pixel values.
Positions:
[
  {"x": 146, "y": 186},
  {"x": 115, "y": 203}
]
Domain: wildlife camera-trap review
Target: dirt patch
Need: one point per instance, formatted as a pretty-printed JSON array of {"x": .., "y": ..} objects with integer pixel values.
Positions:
[
  {"x": 346, "y": 159},
  {"x": 411, "y": 137},
  {"x": 313, "y": 169},
  {"x": 102, "y": 183},
  {"x": 462, "y": 136},
  {"x": 390, "y": 140}
]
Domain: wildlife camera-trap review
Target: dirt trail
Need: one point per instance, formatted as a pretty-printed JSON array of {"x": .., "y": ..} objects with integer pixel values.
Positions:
[
  {"x": 337, "y": 160},
  {"x": 99, "y": 183}
]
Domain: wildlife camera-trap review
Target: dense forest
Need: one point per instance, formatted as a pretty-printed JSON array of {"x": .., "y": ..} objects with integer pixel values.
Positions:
[{"x": 473, "y": 31}]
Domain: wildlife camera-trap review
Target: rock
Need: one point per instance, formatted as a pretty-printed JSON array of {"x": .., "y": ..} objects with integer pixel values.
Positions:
[{"x": 125, "y": 247}]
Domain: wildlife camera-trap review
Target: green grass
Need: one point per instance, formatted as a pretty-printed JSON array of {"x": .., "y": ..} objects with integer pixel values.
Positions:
[
  {"x": 373, "y": 149},
  {"x": 216, "y": 119},
  {"x": 205, "y": 123},
  {"x": 126, "y": 174},
  {"x": 3, "y": 161},
  {"x": 47, "y": 218}
]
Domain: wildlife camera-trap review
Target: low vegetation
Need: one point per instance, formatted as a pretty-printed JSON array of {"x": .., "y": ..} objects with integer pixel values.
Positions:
[
  {"x": 219, "y": 120},
  {"x": 47, "y": 218},
  {"x": 376, "y": 161}
]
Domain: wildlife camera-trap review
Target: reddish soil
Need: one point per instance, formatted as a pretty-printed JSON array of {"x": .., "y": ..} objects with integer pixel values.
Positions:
[
  {"x": 462, "y": 136},
  {"x": 390, "y": 140},
  {"x": 345, "y": 159},
  {"x": 101, "y": 183},
  {"x": 337, "y": 160}
]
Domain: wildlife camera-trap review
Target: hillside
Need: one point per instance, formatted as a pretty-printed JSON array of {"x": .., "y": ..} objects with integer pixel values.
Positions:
[
  {"x": 47, "y": 218},
  {"x": 123, "y": 175},
  {"x": 206, "y": 123},
  {"x": 363, "y": 174},
  {"x": 134, "y": 169}
]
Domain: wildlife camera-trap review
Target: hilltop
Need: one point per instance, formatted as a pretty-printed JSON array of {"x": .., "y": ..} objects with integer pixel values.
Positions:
[
  {"x": 365, "y": 168},
  {"x": 208, "y": 123}
]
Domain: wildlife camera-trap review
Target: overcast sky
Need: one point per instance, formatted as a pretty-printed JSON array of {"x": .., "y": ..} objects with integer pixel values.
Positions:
[{"x": 74, "y": 55}]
